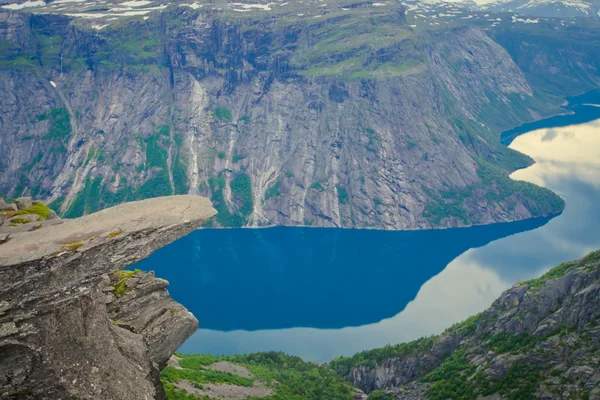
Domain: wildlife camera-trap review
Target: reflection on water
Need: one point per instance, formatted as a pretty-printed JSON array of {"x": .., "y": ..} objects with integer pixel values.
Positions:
[
  {"x": 583, "y": 108},
  {"x": 301, "y": 277},
  {"x": 396, "y": 285}
]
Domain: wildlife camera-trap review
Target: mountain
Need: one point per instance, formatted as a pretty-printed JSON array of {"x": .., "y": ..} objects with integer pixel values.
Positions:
[
  {"x": 547, "y": 8},
  {"x": 540, "y": 339},
  {"x": 345, "y": 114}
]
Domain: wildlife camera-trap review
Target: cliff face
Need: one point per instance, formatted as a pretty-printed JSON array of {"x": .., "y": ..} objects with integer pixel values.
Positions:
[
  {"x": 272, "y": 115},
  {"x": 72, "y": 329},
  {"x": 540, "y": 338}
]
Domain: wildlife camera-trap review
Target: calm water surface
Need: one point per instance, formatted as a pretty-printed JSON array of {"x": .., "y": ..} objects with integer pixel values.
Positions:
[{"x": 319, "y": 293}]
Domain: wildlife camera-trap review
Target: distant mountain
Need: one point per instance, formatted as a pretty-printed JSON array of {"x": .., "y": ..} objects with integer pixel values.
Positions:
[
  {"x": 546, "y": 8},
  {"x": 344, "y": 113}
]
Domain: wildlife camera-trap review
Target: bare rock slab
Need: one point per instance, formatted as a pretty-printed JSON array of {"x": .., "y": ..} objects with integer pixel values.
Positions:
[{"x": 60, "y": 339}]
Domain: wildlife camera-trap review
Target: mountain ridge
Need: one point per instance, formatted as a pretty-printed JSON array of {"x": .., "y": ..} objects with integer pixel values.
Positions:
[{"x": 193, "y": 105}]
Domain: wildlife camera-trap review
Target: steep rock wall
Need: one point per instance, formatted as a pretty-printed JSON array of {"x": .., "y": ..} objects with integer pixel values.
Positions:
[
  {"x": 66, "y": 330},
  {"x": 390, "y": 128}
]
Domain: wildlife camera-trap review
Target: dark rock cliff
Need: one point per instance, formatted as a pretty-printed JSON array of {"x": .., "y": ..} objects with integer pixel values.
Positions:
[
  {"x": 540, "y": 339},
  {"x": 350, "y": 118},
  {"x": 72, "y": 329}
]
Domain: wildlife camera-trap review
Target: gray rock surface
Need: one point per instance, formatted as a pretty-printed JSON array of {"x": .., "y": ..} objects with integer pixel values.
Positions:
[
  {"x": 4, "y": 206},
  {"x": 540, "y": 339},
  {"x": 24, "y": 202},
  {"x": 59, "y": 335}
]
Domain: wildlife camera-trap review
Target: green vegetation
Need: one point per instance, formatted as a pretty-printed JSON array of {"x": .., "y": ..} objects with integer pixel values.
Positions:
[
  {"x": 273, "y": 190},
  {"x": 380, "y": 395},
  {"x": 370, "y": 358},
  {"x": 89, "y": 194},
  {"x": 127, "y": 273},
  {"x": 496, "y": 187},
  {"x": 291, "y": 378},
  {"x": 123, "y": 275},
  {"x": 519, "y": 383},
  {"x": 466, "y": 327},
  {"x": 450, "y": 380},
  {"x": 114, "y": 234},
  {"x": 561, "y": 270},
  {"x": 19, "y": 221},
  {"x": 342, "y": 195},
  {"x": 317, "y": 186},
  {"x": 241, "y": 190},
  {"x": 38, "y": 208},
  {"x": 223, "y": 114},
  {"x": 505, "y": 343},
  {"x": 348, "y": 46},
  {"x": 71, "y": 246},
  {"x": 60, "y": 126},
  {"x": 237, "y": 157}
]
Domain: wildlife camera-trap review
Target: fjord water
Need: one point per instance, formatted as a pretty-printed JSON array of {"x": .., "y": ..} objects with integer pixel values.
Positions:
[{"x": 319, "y": 293}]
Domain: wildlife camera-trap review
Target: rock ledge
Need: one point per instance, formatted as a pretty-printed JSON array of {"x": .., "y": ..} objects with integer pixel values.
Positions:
[{"x": 64, "y": 333}]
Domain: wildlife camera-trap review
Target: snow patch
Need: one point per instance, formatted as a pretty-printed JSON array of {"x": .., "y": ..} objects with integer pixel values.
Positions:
[
  {"x": 193, "y": 6},
  {"x": 27, "y": 4},
  {"x": 265, "y": 7},
  {"x": 135, "y": 3}
]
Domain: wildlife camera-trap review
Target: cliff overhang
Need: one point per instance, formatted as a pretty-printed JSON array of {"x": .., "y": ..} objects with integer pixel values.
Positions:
[{"x": 65, "y": 331}]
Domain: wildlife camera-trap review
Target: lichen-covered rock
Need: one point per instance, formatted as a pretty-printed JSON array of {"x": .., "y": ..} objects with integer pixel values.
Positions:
[{"x": 58, "y": 339}]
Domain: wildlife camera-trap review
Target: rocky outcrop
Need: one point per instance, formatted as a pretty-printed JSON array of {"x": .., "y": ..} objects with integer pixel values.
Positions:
[
  {"x": 539, "y": 339},
  {"x": 71, "y": 329},
  {"x": 25, "y": 214}
]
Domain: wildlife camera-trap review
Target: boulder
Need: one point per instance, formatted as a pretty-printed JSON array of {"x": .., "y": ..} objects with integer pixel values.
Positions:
[
  {"x": 52, "y": 215},
  {"x": 24, "y": 202},
  {"x": 4, "y": 206}
]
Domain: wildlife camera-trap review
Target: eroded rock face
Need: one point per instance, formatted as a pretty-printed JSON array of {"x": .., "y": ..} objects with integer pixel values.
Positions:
[
  {"x": 60, "y": 336},
  {"x": 275, "y": 132}
]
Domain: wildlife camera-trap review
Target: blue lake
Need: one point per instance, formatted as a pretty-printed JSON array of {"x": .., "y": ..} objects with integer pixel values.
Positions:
[{"x": 320, "y": 293}]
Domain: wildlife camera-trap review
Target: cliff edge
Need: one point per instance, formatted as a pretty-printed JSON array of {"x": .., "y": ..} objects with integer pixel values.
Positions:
[{"x": 72, "y": 325}]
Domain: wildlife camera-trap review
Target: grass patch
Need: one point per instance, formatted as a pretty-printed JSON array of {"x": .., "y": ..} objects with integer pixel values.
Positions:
[
  {"x": 71, "y": 246},
  {"x": 39, "y": 209},
  {"x": 126, "y": 273},
  {"x": 20, "y": 221},
  {"x": 290, "y": 377},
  {"x": 380, "y": 395},
  {"x": 114, "y": 234},
  {"x": 273, "y": 191},
  {"x": 223, "y": 114},
  {"x": 342, "y": 195}
]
